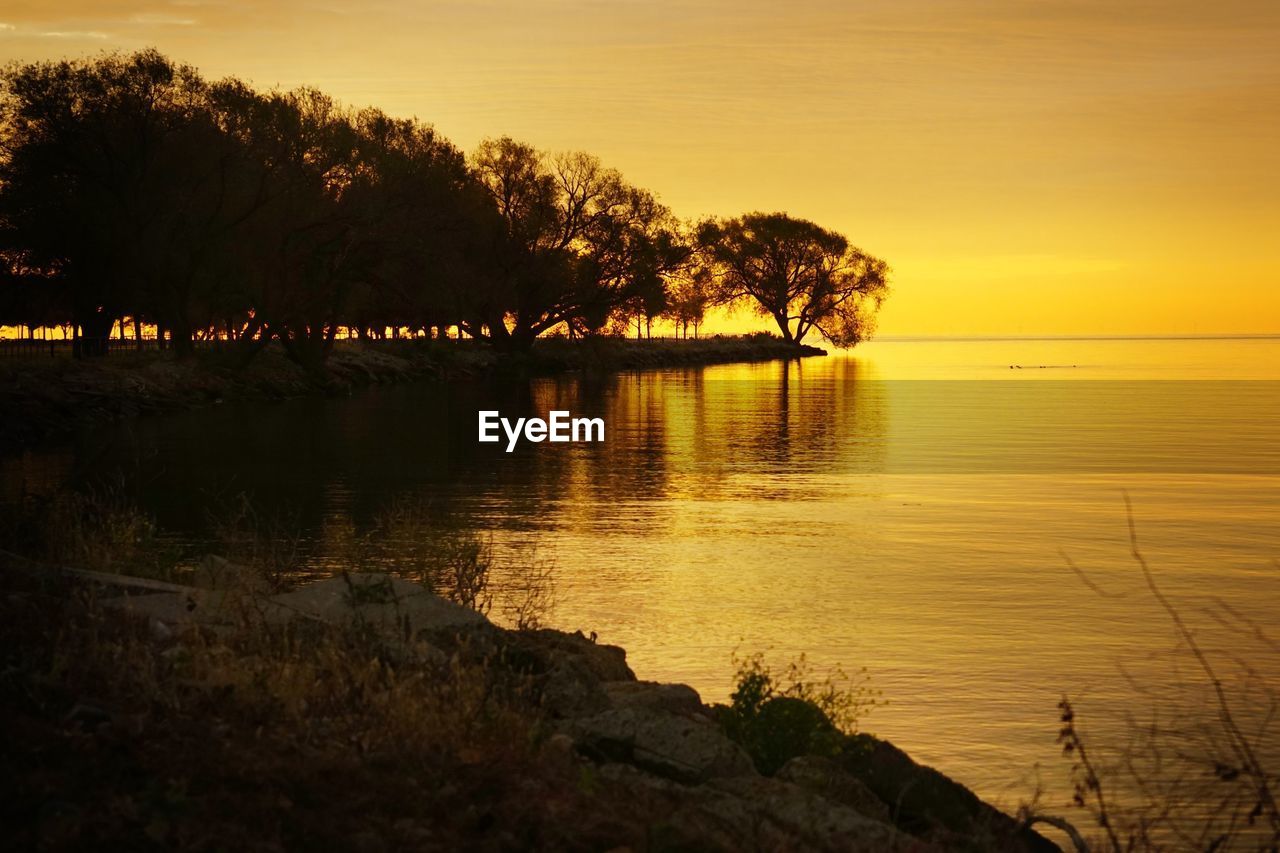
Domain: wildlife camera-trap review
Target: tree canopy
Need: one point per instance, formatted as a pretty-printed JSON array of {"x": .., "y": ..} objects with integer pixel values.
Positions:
[
  {"x": 131, "y": 186},
  {"x": 800, "y": 274}
]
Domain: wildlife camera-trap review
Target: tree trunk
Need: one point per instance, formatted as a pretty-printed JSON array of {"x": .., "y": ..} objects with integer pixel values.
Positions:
[
  {"x": 253, "y": 338},
  {"x": 784, "y": 326},
  {"x": 92, "y": 335},
  {"x": 180, "y": 336}
]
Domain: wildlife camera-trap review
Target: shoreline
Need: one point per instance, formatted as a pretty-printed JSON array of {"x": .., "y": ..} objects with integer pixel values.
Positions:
[
  {"x": 228, "y": 689},
  {"x": 42, "y": 400}
]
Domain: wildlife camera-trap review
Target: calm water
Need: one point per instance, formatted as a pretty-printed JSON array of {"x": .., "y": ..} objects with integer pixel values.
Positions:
[{"x": 904, "y": 508}]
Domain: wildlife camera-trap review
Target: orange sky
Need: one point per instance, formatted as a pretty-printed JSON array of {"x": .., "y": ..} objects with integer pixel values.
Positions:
[{"x": 1026, "y": 166}]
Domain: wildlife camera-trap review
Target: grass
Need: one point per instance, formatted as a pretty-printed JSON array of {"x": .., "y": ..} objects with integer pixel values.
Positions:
[{"x": 314, "y": 737}]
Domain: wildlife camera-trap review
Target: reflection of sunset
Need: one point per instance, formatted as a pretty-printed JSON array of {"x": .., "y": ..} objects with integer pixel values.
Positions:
[
  {"x": 867, "y": 510},
  {"x": 257, "y": 328},
  {"x": 1025, "y": 168}
]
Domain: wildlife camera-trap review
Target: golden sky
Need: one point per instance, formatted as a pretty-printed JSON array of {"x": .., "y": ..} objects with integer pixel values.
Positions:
[{"x": 1026, "y": 166}]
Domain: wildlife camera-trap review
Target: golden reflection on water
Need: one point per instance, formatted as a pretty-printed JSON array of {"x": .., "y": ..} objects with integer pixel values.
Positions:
[
  {"x": 872, "y": 511},
  {"x": 901, "y": 508}
]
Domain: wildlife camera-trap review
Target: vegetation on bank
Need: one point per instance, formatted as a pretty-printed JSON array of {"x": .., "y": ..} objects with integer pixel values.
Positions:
[
  {"x": 130, "y": 732},
  {"x": 225, "y": 713},
  {"x": 43, "y": 397},
  {"x": 224, "y": 709},
  {"x": 134, "y": 192}
]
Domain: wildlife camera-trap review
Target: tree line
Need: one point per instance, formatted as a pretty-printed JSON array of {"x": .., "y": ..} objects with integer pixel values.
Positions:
[{"x": 132, "y": 187}]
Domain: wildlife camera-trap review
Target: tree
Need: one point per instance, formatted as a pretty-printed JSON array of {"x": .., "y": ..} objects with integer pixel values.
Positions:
[
  {"x": 692, "y": 291},
  {"x": 579, "y": 242},
  {"x": 88, "y": 177},
  {"x": 429, "y": 223},
  {"x": 305, "y": 252},
  {"x": 123, "y": 184},
  {"x": 803, "y": 276}
]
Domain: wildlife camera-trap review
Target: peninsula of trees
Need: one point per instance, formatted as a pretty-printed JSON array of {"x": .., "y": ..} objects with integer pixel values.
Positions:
[{"x": 134, "y": 191}]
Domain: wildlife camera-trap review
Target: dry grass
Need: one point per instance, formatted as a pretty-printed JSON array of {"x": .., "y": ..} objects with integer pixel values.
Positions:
[{"x": 310, "y": 736}]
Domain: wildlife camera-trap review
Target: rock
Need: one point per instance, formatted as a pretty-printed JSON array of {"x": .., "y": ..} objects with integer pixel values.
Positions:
[
  {"x": 216, "y": 573},
  {"x": 569, "y": 689},
  {"x": 567, "y": 669},
  {"x": 606, "y": 663},
  {"x": 822, "y": 776},
  {"x": 560, "y": 744},
  {"x": 376, "y": 600},
  {"x": 160, "y": 632},
  {"x": 379, "y": 600},
  {"x": 191, "y": 607},
  {"x": 673, "y": 698},
  {"x": 749, "y": 813},
  {"x": 670, "y": 745},
  {"x": 929, "y": 805},
  {"x": 821, "y": 823}
]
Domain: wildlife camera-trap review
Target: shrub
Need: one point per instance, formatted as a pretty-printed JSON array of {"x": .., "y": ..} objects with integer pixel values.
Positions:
[{"x": 777, "y": 718}]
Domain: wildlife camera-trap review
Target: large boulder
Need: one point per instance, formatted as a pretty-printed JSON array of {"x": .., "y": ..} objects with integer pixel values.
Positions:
[
  {"x": 749, "y": 813},
  {"x": 224, "y": 594},
  {"x": 602, "y": 661},
  {"x": 221, "y": 575},
  {"x": 196, "y": 607},
  {"x": 568, "y": 671},
  {"x": 380, "y": 601},
  {"x": 670, "y": 745},
  {"x": 652, "y": 695},
  {"x": 568, "y": 689},
  {"x": 822, "y": 776},
  {"x": 930, "y": 805}
]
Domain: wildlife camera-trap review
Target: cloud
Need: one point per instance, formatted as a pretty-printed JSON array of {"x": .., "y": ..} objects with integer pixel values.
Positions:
[
  {"x": 74, "y": 34},
  {"x": 160, "y": 20}
]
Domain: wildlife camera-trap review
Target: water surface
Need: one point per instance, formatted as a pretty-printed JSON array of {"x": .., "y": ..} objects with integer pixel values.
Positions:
[{"x": 905, "y": 507}]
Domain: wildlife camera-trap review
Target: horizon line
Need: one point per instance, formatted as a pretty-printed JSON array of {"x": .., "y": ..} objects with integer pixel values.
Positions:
[{"x": 1129, "y": 336}]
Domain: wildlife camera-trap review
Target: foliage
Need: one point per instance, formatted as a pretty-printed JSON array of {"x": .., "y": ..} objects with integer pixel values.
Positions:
[
  {"x": 198, "y": 740},
  {"x": 800, "y": 274},
  {"x": 131, "y": 187},
  {"x": 777, "y": 717},
  {"x": 455, "y": 564}
]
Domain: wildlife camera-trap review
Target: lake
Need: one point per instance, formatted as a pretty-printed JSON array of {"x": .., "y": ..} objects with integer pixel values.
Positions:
[{"x": 908, "y": 507}]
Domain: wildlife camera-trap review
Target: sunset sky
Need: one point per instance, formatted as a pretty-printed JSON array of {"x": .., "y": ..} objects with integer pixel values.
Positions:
[{"x": 1026, "y": 167}]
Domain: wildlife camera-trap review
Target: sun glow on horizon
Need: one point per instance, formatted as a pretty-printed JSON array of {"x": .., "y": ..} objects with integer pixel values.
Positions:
[{"x": 1060, "y": 168}]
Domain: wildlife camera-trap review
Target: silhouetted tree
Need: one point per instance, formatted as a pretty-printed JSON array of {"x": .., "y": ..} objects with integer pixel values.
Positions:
[
  {"x": 429, "y": 221},
  {"x": 579, "y": 242},
  {"x": 692, "y": 292},
  {"x": 803, "y": 276},
  {"x": 92, "y": 164},
  {"x": 130, "y": 187}
]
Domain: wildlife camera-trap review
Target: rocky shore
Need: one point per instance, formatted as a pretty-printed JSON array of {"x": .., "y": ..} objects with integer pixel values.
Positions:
[
  {"x": 42, "y": 398},
  {"x": 365, "y": 713}
]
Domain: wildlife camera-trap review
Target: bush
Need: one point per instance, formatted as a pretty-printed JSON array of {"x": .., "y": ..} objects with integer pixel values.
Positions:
[{"x": 777, "y": 718}]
